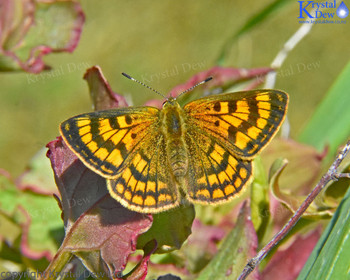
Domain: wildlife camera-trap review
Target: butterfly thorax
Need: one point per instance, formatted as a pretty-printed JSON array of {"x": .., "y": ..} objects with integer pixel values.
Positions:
[{"x": 173, "y": 129}]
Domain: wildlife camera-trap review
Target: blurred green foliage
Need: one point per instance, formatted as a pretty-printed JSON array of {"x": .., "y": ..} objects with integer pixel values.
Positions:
[{"x": 176, "y": 39}]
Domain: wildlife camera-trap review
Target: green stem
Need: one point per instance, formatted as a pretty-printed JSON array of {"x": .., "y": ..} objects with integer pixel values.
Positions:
[{"x": 56, "y": 266}]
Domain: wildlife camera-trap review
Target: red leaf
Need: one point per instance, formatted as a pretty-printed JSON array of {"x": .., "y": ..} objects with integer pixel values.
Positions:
[
  {"x": 202, "y": 245},
  {"x": 288, "y": 263},
  {"x": 101, "y": 93},
  {"x": 221, "y": 77},
  {"x": 94, "y": 221}
]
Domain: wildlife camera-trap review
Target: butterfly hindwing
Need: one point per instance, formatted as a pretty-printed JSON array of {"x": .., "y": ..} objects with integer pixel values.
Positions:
[
  {"x": 146, "y": 185},
  {"x": 215, "y": 175},
  {"x": 243, "y": 121},
  {"x": 106, "y": 141}
]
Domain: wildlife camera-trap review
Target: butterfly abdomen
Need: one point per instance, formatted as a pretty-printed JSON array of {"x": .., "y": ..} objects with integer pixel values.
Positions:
[{"x": 173, "y": 130}]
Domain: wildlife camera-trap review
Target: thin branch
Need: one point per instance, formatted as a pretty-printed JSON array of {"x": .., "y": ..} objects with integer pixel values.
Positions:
[
  {"x": 278, "y": 61},
  {"x": 331, "y": 175},
  {"x": 344, "y": 175},
  {"x": 283, "y": 53}
]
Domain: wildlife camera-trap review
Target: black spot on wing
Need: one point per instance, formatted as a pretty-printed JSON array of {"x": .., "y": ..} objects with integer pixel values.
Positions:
[
  {"x": 113, "y": 122},
  {"x": 232, "y": 106},
  {"x": 217, "y": 107},
  {"x": 128, "y": 119}
]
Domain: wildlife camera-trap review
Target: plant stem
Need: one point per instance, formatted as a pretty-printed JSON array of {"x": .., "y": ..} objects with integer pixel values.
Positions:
[{"x": 55, "y": 269}]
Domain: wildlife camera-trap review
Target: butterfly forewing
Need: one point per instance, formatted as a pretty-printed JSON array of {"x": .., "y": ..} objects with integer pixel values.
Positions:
[
  {"x": 244, "y": 122},
  {"x": 106, "y": 141}
]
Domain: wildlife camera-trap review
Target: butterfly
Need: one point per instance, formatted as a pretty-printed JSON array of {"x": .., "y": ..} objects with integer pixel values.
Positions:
[{"x": 153, "y": 158}]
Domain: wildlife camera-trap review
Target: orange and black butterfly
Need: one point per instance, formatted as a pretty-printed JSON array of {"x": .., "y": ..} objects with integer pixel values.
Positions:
[{"x": 202, "y": 151}]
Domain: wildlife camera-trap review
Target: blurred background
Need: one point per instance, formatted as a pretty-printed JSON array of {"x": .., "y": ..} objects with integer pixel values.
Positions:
[{"x": 177, "y": 39}]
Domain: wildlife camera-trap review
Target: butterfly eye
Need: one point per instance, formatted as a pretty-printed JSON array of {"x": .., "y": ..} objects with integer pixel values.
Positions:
[{"x": 169, "y": 101}]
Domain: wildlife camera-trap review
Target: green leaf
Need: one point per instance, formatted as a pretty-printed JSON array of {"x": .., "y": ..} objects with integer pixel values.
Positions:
[
  {"x": 330, "y": 124},
  {"x": 170, "y": 229},
  {"x": 336, "y": 190},
  {"x": 260, "y": 199},
  {"x": 239, "y": 246},
  {"x": 9, "y": 229},
  {"x": 38, "y": 175},
  {"x": 330, "y": 257},
  {"x": 39, "y": 215}
]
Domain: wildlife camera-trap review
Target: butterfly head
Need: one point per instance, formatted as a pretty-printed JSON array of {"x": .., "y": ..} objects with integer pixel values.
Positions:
[{"x": 170, "y": 102}]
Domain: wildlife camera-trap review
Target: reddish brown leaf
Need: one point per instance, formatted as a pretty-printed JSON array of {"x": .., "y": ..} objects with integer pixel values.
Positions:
[
  {"x": 101, "y": 93},
  {"x": 222, "y": 77},
  {"x": 286, "y": 264},
  {"x": 20, "y": 23},
  {"x": 100, "y": 231},
  {"x": 201, "y": 245},
  {"x": 140, "y": 271}
]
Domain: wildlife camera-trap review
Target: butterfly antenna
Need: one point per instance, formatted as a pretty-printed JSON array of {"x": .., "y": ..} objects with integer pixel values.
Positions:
[
  {"x": 191, "y": 88},
  {"x": 141, "y": 83}
]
